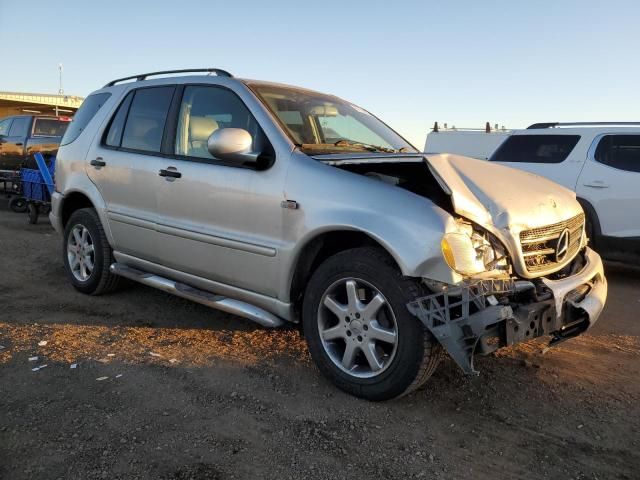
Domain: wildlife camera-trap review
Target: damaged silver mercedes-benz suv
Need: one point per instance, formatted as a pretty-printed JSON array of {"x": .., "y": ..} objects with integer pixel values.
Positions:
[{"x": 281, "y": 204}]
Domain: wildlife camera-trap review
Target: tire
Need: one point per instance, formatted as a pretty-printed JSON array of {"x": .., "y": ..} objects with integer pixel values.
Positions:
[
  {"x": 33, "y": 213},
  {"x": 399, "y": 368},
  {"x": 18, "y": 204},
  {"x": 99, "y": 279}
]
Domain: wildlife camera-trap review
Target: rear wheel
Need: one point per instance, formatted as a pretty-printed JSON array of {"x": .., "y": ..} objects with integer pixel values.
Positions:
[
  {"x": 359, "y": 330},
  {"x": 87, "y": 254}
]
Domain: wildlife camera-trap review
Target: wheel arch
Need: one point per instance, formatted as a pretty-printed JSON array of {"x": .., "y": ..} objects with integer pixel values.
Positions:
[
  {"x": 74, "y": 201},
  {"x": 320, "y": 247},
  {"x": 592, "y": 217}
]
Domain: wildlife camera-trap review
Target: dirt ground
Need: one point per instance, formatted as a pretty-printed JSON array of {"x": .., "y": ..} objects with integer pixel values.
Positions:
[{"x": 194, "y": 393}]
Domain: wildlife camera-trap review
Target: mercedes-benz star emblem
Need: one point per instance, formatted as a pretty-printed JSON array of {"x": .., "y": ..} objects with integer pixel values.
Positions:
[{"x": 562, "y": 247}]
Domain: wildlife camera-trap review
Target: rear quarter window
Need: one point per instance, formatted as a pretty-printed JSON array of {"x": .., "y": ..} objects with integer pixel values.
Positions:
[
  {"x": 536, "y": 148},
  {"x": 83, "y": 116}
]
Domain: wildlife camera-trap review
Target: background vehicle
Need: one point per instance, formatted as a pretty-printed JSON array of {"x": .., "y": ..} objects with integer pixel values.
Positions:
[
  {"x": 600, "y": 161},
  {"x": 23, "y": 135},
  {"x": 278, "y": 204}
]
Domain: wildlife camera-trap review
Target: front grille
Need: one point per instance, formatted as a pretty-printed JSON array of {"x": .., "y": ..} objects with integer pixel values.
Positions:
[{"x": 539, "y": 244}]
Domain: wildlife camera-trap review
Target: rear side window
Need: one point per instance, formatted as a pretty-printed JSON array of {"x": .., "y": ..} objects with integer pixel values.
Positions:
[
  {"x": 49, "y": 127},
  {"x": 144, "y": 125},
  {"x": 536, "y": 148},
  {"x": 620, "y": 151},
  {"x": 83, "y": 116},
  {"x": 4, "y": 126},
  {"x": 19, "y": 127}
]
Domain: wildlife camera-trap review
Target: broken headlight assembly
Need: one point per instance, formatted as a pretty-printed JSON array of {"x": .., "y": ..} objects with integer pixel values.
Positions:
[{"x": 471, "y": 250}]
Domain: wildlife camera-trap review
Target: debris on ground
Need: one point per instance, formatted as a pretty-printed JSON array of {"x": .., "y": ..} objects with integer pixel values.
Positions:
[
  {"x": 33, "y": 359},
  {"x": 73, "y": 365},
  {"x": 42, "y": 343},
  {"x": 99, "y": 379},
  {"x": 38, "y": 368}
]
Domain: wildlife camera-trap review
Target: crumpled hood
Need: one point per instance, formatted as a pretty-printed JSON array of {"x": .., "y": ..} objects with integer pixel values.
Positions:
[{"x": 506, "y": 198}]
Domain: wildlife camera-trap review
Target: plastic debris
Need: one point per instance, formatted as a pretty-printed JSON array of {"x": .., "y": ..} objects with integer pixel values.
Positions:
[
  {"x": 99, "y": 379},
  {"x": 153, "y": 354},
  {"x": 42, "y": 343},
  {"x": 111, "y": 354},
  {"x": 173, "y": 360},
  {"x": 2, "y": 347},
  {"x": 73, "y": 365},
  {"x": 40, "y": 367},
  {"x": 33, "y": 359},
  {"x": 119, "y": 375}
]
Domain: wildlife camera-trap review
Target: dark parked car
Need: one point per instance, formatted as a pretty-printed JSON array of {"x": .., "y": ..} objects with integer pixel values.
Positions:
[{"x": 23, "y": 135}]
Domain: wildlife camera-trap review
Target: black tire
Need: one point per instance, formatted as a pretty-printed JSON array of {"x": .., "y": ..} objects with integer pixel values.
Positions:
[
  {"x": 18, "y": 204},
  {"x": 417, "y": 353},
  {"x": 33, "y": 213},
  {"x": 101, "y": 280}
]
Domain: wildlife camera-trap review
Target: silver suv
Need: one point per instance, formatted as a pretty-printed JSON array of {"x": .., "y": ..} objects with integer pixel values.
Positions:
[{"x": 281, "y": 204}]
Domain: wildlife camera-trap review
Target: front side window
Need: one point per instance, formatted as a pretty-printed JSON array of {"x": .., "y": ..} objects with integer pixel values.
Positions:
[
  {"x": 83, "y": 116},
  {"x": 204, "y": 110},
  {"x": 536, "y": 148},
  {"x": 322, "y": 124},
  {"x": 147, "y": 116},
  {"x": 19, "y": 127},
  {"x": 619, "y": 151}
]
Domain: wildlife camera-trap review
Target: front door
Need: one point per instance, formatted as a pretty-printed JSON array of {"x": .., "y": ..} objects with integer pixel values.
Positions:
[
  {"x": 124, "y": 166},
  {"x": 610, "y": 181},
  {"x": 218, "y": 221}
]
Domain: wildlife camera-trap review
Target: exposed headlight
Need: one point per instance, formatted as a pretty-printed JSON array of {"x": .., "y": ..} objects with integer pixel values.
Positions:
[{"x": 469, "y": 251}]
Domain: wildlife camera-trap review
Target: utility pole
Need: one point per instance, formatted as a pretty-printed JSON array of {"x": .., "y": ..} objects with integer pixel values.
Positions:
[{"x": 60, "y": 89}]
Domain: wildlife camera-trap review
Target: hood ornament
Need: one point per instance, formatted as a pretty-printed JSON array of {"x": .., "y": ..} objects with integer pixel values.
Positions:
[{"x": 562, "y": 247}]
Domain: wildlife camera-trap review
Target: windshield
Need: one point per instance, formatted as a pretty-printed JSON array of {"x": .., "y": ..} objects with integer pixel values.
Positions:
[{"x": 323, "y": 124}]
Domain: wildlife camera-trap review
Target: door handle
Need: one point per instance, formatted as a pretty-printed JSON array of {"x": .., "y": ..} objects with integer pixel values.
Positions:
[
  {"x": 596, "y": 184},
  {"x": 170, "y": 173},
  {"x": 98, "y": 162}
]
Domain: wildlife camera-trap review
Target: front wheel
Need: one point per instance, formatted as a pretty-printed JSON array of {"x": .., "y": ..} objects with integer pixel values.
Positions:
[
  {"x": 359, "y": 330},
  {"x": 87, "y": 255},
  {"x": 18, "y": 204}
]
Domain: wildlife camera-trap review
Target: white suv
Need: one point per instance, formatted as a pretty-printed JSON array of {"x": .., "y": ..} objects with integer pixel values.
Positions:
[{"x": 600, "y": 162}]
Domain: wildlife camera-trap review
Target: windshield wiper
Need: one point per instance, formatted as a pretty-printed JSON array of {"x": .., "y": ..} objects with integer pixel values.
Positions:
[{"x": 368, "y": 146}]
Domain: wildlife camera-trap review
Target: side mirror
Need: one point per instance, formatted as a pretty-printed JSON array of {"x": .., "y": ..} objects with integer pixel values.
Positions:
[{"x": 232, "y": 145}]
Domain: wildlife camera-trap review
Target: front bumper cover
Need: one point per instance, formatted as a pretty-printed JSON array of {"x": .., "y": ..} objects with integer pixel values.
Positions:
[{"x": 468, "y": 319}]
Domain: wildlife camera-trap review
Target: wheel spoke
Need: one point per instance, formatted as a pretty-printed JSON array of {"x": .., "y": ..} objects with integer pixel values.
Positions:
[
  {"x": 73, "y": 263},
  {"x": 373, "y": 307},
  {"x": 89, "y": 263},
  {"x": 71, "y": 249},
  {"x": 349, "y": 356},
  {"x": 352, "y": 295},
  {"x": 378, "y": 332},
  {"x": 76, "y": 236},
  {"x": 83, "y": 271},
  {"x": 83, "y": 236},
  {"x": 334, "y": 333},
  {"x": 336, "y": 308},
  {"x": 371, "y": 355},
  {"x": 89, "y": 248}
]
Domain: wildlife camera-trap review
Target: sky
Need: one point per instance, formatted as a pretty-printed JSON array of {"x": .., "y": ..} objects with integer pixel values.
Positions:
[{"x": 411, "y": 62}]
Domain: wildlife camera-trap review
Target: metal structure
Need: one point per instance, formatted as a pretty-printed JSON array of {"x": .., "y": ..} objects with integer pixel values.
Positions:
[{"x": 18, "y": 103}]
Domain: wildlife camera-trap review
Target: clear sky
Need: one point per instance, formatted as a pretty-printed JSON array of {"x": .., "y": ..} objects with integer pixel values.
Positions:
[{"x": 409, "y": 62}]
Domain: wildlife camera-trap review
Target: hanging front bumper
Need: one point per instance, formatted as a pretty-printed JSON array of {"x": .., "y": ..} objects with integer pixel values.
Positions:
[{"x": 484, "y": 315}]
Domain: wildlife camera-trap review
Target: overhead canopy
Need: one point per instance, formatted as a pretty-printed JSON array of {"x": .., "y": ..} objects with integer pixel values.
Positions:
[{"x": 14, "y": 103}]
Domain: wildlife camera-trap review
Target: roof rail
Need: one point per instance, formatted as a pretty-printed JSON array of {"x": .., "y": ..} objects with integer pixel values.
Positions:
[
  {"x": 577, "y": 124},
  {"x": 143, "y": 76}
]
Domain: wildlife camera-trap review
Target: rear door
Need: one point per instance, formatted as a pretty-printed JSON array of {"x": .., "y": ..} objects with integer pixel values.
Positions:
[
  {"x": 610, "y": 181},
  {"x": 124, "y": 165},
  {"x": 558, "y": 157},
  {"x": 219, "y": 221},
  {"x": 13, "y": 146}
]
